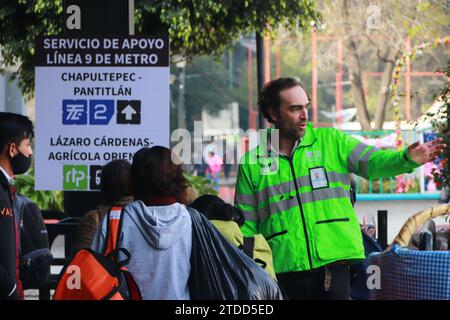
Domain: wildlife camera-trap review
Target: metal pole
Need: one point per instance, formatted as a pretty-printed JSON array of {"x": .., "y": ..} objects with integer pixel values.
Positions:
[
  {"x": 181, "y": 106},
  {"x": 382, "y": 228},
  {"x": 131, "y": 17},
  {"x": 230, "y": 69},
  {"x": 339, "y": 78},
  {"x": 100, "y": 17},
  {"x": 314, "y": 77},
  {"x": 260, "y": 66},
  {"x": 408, "y": 83},
  {"x": 251, "y": 122}
]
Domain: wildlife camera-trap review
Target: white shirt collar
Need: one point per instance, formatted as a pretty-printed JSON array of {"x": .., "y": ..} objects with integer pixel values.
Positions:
[{"x": 8, "y": 177}]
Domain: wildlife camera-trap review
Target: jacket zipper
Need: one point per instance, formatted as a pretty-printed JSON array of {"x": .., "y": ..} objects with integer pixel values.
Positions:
[{"x": 301, "y": 211}]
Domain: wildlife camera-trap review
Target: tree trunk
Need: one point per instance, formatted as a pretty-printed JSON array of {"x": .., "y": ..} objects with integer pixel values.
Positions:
[
  {"x": 359, "y": 100},
  {"x": 383, "y": 94},
  {"x": 354, "y": 67}
]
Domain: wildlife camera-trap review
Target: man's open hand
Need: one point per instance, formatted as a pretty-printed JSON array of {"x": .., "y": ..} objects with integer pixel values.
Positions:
[{"x": 425, "y": 152}]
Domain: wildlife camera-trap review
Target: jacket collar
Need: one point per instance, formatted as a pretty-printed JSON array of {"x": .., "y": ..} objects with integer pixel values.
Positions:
[
  {"x": 8, "y": 178},
  {"x": 307, "y": 140},
  {"x": 4, "y": 180}
]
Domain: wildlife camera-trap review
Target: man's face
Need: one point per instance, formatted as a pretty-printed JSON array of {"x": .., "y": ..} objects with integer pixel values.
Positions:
[
  {"x": 24, "y": 147},
  {"x": 293, "y": 113}
]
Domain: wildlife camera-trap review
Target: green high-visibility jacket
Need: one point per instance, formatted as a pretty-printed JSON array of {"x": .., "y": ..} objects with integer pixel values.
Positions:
[{"x": 301, "y": 203}]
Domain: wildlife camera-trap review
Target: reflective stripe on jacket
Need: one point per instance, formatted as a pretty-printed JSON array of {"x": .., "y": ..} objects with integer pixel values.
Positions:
[{"x": 301, "y": 204}]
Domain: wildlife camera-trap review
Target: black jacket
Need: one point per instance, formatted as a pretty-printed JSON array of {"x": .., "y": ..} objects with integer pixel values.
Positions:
[{"x": 8, "y": 275}]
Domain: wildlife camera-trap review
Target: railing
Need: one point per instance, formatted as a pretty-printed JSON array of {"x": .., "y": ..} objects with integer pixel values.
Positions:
[
  {"x": 404, "y": 187},
  {"x": 58, "y": 225}
]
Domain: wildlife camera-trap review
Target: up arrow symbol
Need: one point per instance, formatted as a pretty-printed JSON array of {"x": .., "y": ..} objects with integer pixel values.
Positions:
[{"x": 128, "y": 112}]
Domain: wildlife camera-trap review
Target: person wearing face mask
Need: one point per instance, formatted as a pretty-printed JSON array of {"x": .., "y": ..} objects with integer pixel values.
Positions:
[
  {"x": 295, "y": 190},
  {"x": 16, "y": 133}
]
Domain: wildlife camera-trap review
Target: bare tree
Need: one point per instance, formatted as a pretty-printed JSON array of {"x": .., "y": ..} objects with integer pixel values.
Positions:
[{"x": 376, "y": 33}]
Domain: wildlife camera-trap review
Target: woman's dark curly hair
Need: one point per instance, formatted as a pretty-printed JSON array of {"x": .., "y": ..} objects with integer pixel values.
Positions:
[
  {"x": 115, "y": 181},
  {"x": 154, "y": 174}
]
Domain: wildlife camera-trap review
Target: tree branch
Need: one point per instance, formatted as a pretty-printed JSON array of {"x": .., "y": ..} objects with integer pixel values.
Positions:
[{"x": 384, "y": 59}]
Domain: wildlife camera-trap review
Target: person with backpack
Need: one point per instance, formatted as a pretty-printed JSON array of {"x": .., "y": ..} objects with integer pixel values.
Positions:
[
  {"x": 16, "y": 133},
  {"x": 156, "y": 228},
  {"x": 115, "y": 192},
  {"x": 228, "y": 219},
  {"x": 34, "y": 249}
]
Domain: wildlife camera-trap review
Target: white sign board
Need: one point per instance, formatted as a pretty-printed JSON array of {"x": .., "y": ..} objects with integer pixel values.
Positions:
[{"x": 97, "y": 100}]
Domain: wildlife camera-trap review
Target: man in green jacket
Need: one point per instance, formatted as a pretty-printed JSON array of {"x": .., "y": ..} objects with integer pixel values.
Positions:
[{"x": 295, "y": 190}]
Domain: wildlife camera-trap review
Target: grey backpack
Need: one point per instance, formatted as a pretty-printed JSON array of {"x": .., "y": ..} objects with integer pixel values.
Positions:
[{"x": 34, "y": 252}]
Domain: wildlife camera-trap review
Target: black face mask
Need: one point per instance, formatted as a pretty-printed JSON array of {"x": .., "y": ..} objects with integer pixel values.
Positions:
[{"x": 20, "y": 164}]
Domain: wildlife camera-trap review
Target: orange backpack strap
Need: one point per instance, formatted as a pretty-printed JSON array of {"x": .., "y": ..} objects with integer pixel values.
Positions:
[{"x": 113, "y": 229}]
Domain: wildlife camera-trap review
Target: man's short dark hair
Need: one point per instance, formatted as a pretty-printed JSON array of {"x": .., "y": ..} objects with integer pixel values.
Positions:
[
  {"x": 115, "y": 181},
  {"x": 270, "y": 95},
  {"x": 14, "y": 128},
  {"x": 154, "y": 174}
]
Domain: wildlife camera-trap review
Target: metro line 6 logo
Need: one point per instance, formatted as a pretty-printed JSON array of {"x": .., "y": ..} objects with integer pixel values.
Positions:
[{"x": 75, "y": 177}]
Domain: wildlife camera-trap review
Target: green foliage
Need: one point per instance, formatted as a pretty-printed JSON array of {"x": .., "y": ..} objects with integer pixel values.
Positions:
[
  {"x": 206, "y": 26},
  {"x": 440, "y": 120},
  {"x": 201, "y": 184},
  {"x": 45, "y": 200},
  {"x": 444, "y": 96},
  {"x": 212, "y": 84},
  {"x": 380, "y": 45},
  {"x": 195, "y": 27}
]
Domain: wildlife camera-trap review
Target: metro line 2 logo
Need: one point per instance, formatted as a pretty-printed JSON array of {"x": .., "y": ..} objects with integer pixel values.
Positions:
[
  {"x": 75, "y": 177},
  {"x": 101, "y": 111}
]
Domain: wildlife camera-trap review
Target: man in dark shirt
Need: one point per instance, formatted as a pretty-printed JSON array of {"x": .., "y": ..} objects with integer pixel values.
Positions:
[{"x": 16, "y": 133}]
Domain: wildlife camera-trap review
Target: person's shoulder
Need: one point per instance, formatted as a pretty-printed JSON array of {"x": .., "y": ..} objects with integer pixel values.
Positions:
[
  {"x": 250, "y": 157},
  {"x": 3, "y": 181},
  {"x": 22, "y": 202},
  {"x": 329, "y": 134},
  {"x": 327, "y": 131},
  {"x": 260, "y": 240},
  {"x": 261, "y": 243},
  {"x": 92, "y": 217}
]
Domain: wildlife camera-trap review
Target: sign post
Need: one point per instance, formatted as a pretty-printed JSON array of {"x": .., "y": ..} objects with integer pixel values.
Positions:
[{"x": 100, "y": 96}]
